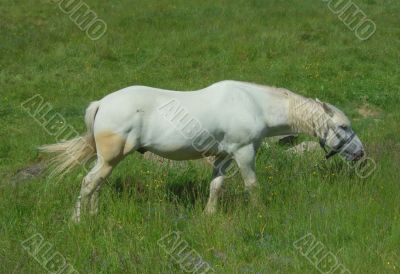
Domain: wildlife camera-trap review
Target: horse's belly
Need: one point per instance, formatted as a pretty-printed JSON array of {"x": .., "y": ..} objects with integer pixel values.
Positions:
[
  {"x": 175, "y": 153},
  {"x": 169, "y": 141}
]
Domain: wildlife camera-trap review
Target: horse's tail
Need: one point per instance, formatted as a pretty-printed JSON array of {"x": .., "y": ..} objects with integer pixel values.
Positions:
[{"x": 77, "y": 151}]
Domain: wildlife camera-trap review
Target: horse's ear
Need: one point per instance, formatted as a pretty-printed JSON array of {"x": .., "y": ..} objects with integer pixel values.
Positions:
[{"x": 328, "y": 109}]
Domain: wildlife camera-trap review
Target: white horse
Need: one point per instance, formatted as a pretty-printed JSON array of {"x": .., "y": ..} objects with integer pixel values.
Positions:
[{"x": 228, "y": 120}]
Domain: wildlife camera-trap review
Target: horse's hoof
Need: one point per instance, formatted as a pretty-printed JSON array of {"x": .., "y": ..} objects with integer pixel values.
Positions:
[
  {"x": 75, "y": 218},
  {"x": 210, "y": 211}
]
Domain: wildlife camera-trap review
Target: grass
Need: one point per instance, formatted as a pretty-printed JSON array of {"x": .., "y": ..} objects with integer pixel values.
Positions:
[{"x": 188, "y": 45}]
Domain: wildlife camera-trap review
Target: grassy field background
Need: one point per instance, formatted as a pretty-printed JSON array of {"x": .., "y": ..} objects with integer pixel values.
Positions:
[{"x": 187, "y": 45}]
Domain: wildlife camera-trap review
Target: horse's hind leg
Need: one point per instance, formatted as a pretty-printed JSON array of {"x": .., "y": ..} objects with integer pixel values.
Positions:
[
  {"x": 90, "y": 185},
  {"x": 111, "y": 148},
  {"x": 94, "y": 201}
]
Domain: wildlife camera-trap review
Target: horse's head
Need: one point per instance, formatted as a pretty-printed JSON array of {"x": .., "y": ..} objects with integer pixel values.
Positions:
[{"x": 338, "y": 135}]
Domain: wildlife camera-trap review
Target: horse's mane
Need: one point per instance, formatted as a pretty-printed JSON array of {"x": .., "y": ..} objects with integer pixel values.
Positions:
[{"x": 306, "y": 115}]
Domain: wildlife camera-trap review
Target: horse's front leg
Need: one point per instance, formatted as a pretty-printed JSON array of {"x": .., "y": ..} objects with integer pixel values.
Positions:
[
  {"x": 245, "y": 159},
  {"x": 220, "y": 166}
]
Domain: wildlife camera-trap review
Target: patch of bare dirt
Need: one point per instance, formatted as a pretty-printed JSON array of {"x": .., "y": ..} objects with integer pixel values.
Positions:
[
  {"x": 368, "y": 111},
  {"x": 304, "y": 147},
  {"x": 28, "y": 173}
]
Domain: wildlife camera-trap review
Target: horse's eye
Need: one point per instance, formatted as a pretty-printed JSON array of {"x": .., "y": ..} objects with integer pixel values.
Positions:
[{"x": 344, "y": 127}]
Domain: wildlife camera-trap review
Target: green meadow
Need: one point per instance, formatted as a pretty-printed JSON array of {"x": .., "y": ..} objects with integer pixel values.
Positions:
[{"x": 314, "y": 215}]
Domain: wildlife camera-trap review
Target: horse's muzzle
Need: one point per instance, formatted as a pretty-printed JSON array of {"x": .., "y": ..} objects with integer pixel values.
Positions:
[{"x": 358, "y": 156}]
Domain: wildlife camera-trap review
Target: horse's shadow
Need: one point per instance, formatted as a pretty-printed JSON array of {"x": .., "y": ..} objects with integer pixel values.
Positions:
[
  {"x": 182, "y": 191},
  {"x": 187, "y": 193}
]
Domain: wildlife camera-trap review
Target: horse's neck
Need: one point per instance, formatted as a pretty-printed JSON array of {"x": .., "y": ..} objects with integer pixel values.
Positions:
[
  {"x": 286, "y": 112},
  {"x": 274, "y": 103},
  {"x": 306, "y": 116}
]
